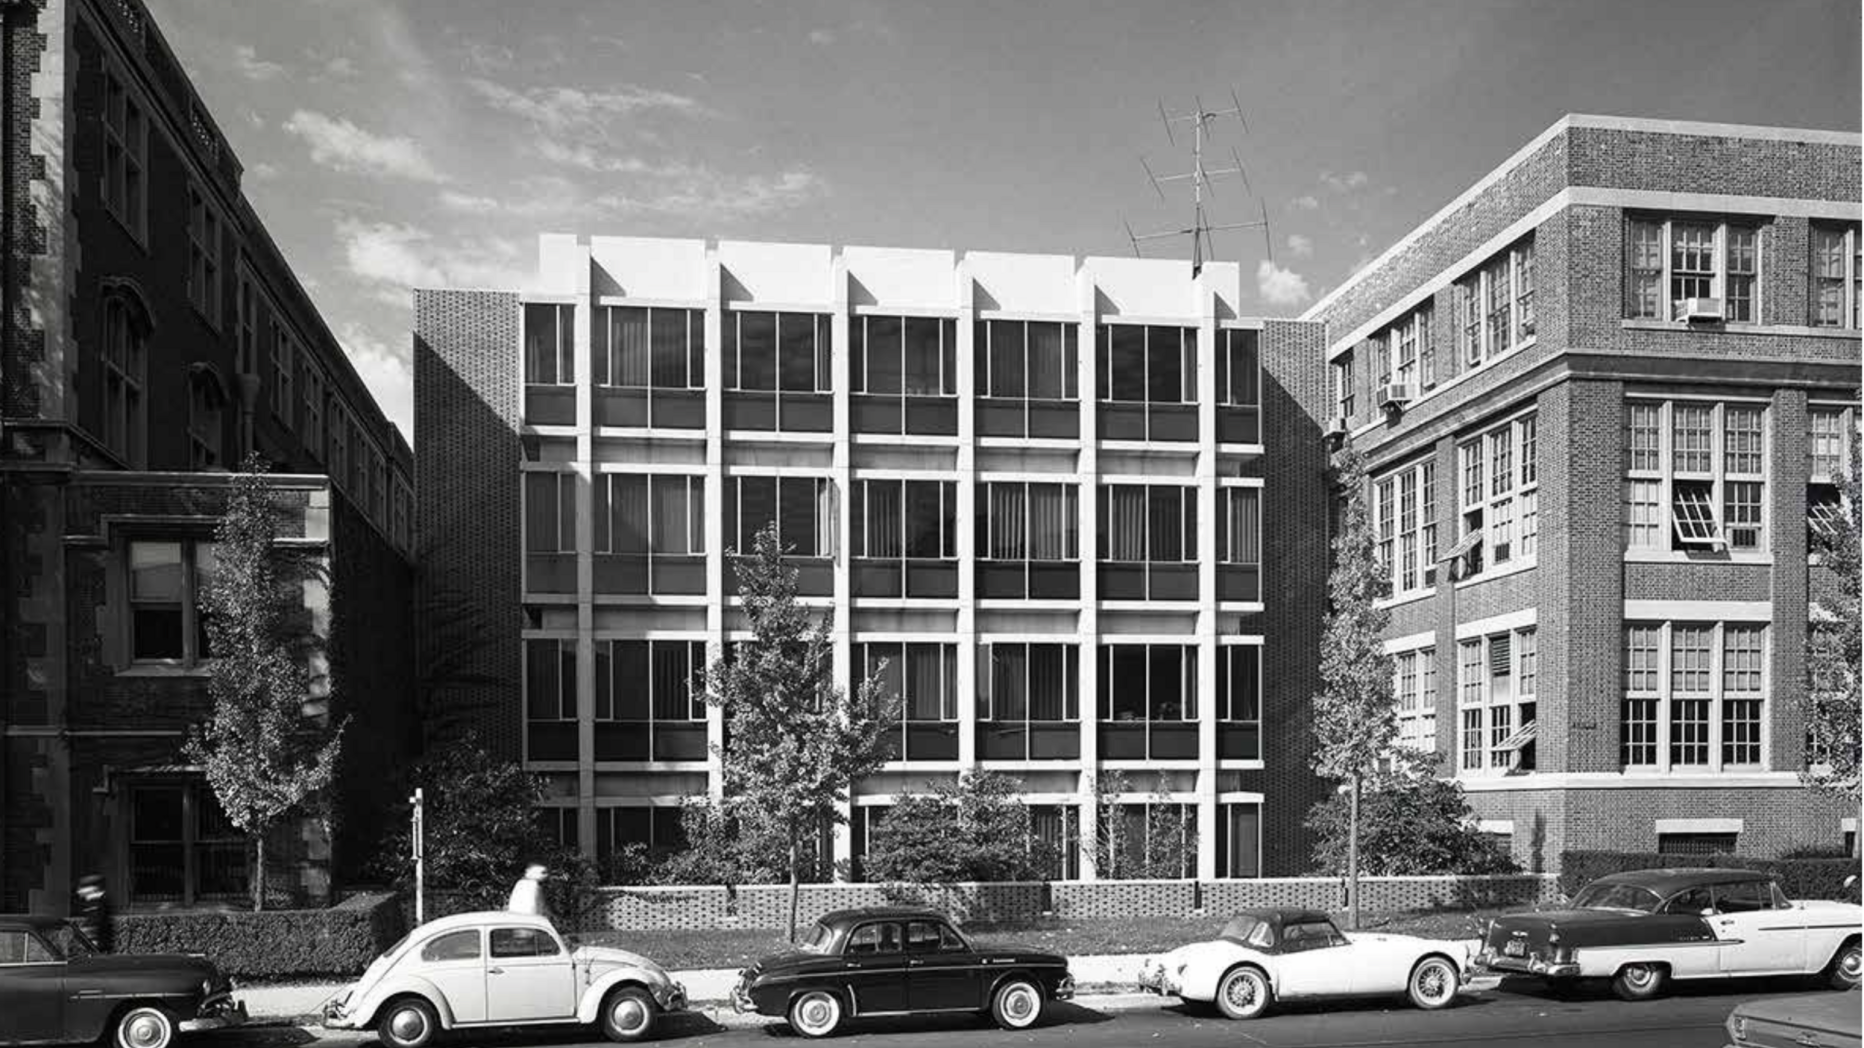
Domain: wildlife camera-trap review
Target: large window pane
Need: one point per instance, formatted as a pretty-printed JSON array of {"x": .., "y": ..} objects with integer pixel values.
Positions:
[
  {"x": 797, "y": 506},
  {"x": 1126, "y": 362},
  {"x": 883, "y": 355},
  {"x": 1007, "y": 522},
  {"x": 885, "y": 531},
  {"x": 1052, "y": 522},
  {"x": 671, "y": 527},
  {"x": 1007, "y": 359},
  {"x": 923, "y": 357},
  {"x": 797, "y": 353},
  {"x": 1165, "y": 366},
  {"x": 757, "y": 351},
  {"x": 1165, "y": 506},
  {"x": 669, "y": 352},
  {"x": 1048, "y": 370},
  {"x": 757, "y": 507},
  {"x": 925, "y": 518}
]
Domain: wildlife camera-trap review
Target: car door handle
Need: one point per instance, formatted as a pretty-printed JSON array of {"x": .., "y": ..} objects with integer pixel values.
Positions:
[
  {"x": 914, "y": 963},
  {"x": 495, "y": 971}
]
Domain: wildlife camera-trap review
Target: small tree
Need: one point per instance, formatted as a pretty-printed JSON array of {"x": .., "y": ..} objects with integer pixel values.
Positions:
[
  {"x": 1414, "y": 823},
  {"x": 266, "y": 749},
  {"x": 1833, "y": 648},
  {"x": 1354, "y": 720},
  {"x": 1161, "y": 845},
  {"x": 721, "y": 849},
  {"x": 974, "y": 829},
  {"x": 797, "y": 741}
]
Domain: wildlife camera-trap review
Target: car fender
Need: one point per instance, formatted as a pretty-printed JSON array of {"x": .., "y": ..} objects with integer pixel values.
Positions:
[
  {"x": 1207, "y": 963},
  {"x": 396, "y": 986},
  {"x": 590, "y": 1007}
]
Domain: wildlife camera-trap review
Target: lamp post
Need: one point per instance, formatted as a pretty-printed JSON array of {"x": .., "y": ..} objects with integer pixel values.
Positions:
[{"x": 420, "y": 872}]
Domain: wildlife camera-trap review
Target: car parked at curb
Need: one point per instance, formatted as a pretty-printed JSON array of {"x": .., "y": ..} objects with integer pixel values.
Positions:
[
  {"x": 854, "y": 964},
  {"x": 1818, "y": 1020},
  {"x": 1266, "y": 955},
  {"x": 1644, "y": 928},
  {"x": 476, "y": 970},
  {"x": 55, "y": 986}
]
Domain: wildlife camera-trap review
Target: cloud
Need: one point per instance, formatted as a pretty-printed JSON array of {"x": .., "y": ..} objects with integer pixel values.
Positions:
[
  {"x": 395, "y": 258},
  {"x": 262, "y": 171},
  {"x": 1300, "y": 246},
  {"x": 1280, "y": 287},
  {"x": 561, "y": 109},
  {"x": 589, "y": 159},
  {"x": 489, "y": 57},
  {"x": 822, "y": 37},
  {"x": 340, "y": 145},
  {"x": 387, "y": 372},
  {"x": 1344, "y": 183},
  {"x": 340, "y": 67},
  {"x": 1307, "y": 203},
  {"x": 705, "y": 192},
  {"x": 247, "y": 61}
]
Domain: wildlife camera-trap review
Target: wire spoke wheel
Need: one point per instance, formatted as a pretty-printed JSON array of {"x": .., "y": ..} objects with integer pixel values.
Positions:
[
  {"x": 1243, "y": 994},
  {"x": 1433, "y": 983}
]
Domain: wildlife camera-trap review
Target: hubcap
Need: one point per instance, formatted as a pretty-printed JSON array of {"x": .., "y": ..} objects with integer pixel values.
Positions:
[
  {"x": 628, "y": 1015},
  {"x": 145, "y": 1031},
  {"x": 1637, "y": 976},
  {"x": 816, "y": 1011},
  {"x": 1849, "y": 963},
  {"x": 1431, "y": 981},
  {"x": 408, "y": 1024},
  {"x": 1019, "y": 1004}
]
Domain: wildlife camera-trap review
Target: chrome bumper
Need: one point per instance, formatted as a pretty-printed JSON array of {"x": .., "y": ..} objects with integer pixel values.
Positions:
[
  {"x": 1064, "y": 990},
  {"x": 1152, "y": 979},
  {"x": 741, "y": 998},
  {"x": 334, "y": 1013},
  {"x": 674, "y": 999},
  {"x": 216, "y": 1013},
  {"x": 1490, "y": 960}
]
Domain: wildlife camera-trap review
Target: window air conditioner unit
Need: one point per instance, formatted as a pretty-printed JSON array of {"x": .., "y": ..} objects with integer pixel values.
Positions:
[
  {"x": 1337, "y": 428},
  {"x": 1702, "y": 309},
  {"x": 1397, "y": 394}
]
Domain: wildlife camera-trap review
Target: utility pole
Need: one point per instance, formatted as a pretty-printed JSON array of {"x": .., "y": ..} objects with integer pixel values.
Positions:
[
  {"x": 1201, "y": 120},
  {"x": 420, "y": 856}
]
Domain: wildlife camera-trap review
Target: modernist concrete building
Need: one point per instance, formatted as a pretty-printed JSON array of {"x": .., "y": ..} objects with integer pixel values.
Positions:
[
  {"x": 1606, "y": 393},
  {"x": 152, "y": 336},
  {"x": 1075, "y": 505}
]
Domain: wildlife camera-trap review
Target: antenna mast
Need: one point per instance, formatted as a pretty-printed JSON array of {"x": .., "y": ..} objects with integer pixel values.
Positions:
[{"x": 1201, "y": 119}]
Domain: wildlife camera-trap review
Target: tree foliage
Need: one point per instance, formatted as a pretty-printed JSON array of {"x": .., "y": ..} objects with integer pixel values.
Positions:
[
  {"x": 269, "y": 747},
  {"x": 797, "y": 742},
  {"x": 1160, "y": 844},
  {"x": 1833, "y": 648},
  {"x": 1412, "y": 823},
  {"x": 723, "y": 848},
  {"x": 974, "y": 829}
]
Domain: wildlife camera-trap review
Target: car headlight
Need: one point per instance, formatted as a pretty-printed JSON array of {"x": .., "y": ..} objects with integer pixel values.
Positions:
[
  {"x": 207, "y": 986},
  {"x": 1182, "y": 965},
  {"x": 1737, "y": 1028}
]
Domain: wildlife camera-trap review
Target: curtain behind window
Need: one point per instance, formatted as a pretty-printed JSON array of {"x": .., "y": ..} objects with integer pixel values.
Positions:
[
  {"x": 630, "y": 347},
  {"x": 1049, "y": 698},
  {"x": 1007, "y": 523},
  {"x": 1126, "y": 522},
  {"x": 1052, "y": 522},
  {"x": 669, "y": 348},
  {"x": 1165, "y": 511},
  {"x": 671, "y": 528},
  {"x": 672, "y": 680},
  {"x": 929, "y": 696},
  {"x": 884, "y": 526},
  {"x": 1242, "y": 531},
  {"x": 1047, "y": 369},
  {"x": 1009, "y": 675}
]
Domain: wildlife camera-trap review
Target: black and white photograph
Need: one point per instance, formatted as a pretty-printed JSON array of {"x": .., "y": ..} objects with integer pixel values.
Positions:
[{"x": 931, "y": 523}]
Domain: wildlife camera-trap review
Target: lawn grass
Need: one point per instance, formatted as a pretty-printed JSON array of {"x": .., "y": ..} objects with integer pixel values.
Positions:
[{"x": 1070, "y": 937}]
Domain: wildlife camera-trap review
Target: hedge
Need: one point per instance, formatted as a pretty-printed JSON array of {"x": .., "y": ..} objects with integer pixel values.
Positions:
[
  {"x": 340, "y": 940},
  {"x": 1799, "y": 878}
]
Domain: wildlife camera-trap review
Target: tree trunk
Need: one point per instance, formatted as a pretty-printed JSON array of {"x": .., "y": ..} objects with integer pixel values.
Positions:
[
  {"x": 258, "y": 871},
  {"x": 1352, "y": 854},
  {"x": 795, "y": 883}
]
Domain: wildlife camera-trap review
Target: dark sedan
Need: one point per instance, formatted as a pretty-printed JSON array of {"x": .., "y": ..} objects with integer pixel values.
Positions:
[
  {"x": 57, "y": 987},
  {"x": 898, "y": 961}
]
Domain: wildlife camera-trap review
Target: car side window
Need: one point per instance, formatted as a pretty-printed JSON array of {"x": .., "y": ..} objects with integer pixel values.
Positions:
[
  {"x": 12, "y": 947},
  {"x": 874, "y": 938},
  {"x": 1743, "y": 897},
  {"x": 1309, "y": 935},
  {"x": 522, "y": 942},
  {"x": 1780, "y": 901},
  {"x": 453, "y": 946},
  {"x": 1692, "y": 901},
  {"x": 37, "y": 952},
  {"x": 931, "y": 937}
]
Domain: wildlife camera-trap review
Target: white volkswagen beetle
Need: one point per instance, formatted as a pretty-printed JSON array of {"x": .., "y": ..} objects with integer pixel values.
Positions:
[
  {"x": 1279, "y": 954},
  {"x": 502, "y": 969}
]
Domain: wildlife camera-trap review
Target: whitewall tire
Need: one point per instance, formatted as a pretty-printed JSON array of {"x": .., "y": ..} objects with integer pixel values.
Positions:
[
  {"x": 1017, "y": 1004},
  {"x": 1842, "y": 973},
  {"x": 1639, "y": 982},
  {"x": 1243, "y": 993},
  {"x": 1433, "y": 983},
  {"x": 145, "y": 1026},
  {"x": 815, "y": 1014}
]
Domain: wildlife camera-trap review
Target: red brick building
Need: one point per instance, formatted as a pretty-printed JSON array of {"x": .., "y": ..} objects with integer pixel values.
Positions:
[
  {"x": 153, "y": 335},
  {"x": 1602, "y": 393}
]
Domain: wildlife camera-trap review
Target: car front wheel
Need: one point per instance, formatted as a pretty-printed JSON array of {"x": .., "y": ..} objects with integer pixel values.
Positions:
[
  {"x": 1842, "y": 973},
  {"x": 407, "y": 1023},
  {"x": 1017, "y": 1005},
  {"x": 1433, "y": 983},
  {"x": 1243, "y": 993},
  {"x": 815, "y": 1014},
  {"x": 628, "y": 1014},
  {"x": 145, "y": 1026},
  {"x": 1638, "y": 982}
]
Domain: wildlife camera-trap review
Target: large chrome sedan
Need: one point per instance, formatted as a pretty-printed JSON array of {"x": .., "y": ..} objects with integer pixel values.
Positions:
[{"x": 502, "y": 969}]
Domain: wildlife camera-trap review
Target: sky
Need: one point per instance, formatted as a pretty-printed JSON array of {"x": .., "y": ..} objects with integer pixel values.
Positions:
[{"x": 391, "y": 144}]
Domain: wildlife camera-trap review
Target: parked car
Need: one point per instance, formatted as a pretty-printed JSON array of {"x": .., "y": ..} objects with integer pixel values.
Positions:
[
  {"x": 1263, "y": 956},
  {"x": 56, "y": 987},
  {"x": 1818, "y": 1020},
  {"x": 896, "y": 961},
  {"x": 1644, "y": 928},
  {"x": 476, "y": 970}
]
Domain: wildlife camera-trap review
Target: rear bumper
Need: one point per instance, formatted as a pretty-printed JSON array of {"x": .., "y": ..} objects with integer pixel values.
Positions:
[
  {"x": 336, "y": 1015},
  {"x": 674, "y": 999},
  {"x": 216, "y": 1014},
  {"x": 1492, "y": 961}
]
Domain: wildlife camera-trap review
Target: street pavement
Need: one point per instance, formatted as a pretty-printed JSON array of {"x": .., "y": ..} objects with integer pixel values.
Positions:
[{"x": 1517, "y": 1012}]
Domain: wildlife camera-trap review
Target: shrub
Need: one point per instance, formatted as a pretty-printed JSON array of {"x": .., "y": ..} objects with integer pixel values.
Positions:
[
  {"x": 1411, "y": 823},
  {"x": 1800, "y": 878},
  {"x": 272, "y": 944},
  {"x": 976, "y": 829}
]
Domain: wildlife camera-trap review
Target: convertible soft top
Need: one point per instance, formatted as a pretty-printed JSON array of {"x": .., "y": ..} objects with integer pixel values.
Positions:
[{"x": 1668, "y": 882}]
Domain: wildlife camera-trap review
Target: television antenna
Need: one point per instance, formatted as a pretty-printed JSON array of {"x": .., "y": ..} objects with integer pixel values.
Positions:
[{"x": 1201, "y": 120}]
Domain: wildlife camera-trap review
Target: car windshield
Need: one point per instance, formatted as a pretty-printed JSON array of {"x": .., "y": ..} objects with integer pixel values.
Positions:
[
  {"x": 1247, "y": 930},
  {"x": 69, "y": 943},
  {"x": 1607, "y": 895},
  {"x": 816, "y": 939}
]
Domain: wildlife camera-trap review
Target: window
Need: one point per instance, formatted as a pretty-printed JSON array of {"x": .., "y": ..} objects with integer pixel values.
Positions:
[
  {"x": 1695, "y": 696},
  {"x": 1034, "y": 360},
  {"x": 1837, "y": 275},
  {"x": 1343, "y": 385},
  {"x": 1696, "y": 845},
  {"x": 1711, "y": 458},
  {"x": 1028, "y": 682},
  {"x": 777, "y": 351},
  {"x": 1414, "y": 689},
  {"x": 1405, "y": 509},
  {"x": 650, "y": 681},
  {"x": 550, "y": 684},
  {"x": 126, "y": 156},
  {"x": 874, "y": 938},
  {"x": 906, "y": 518},
  {"x": 1150, "y": 841},
  {"x": 1239, "y": 526},
  {"x": 549, "y": 512},
  {"x": 1029, "y": 521},
  {"x": 453, "y": 946},
  {"x": 662, "y": 514},
  {"x": 1055, "y": 840},
  {"x": 1503, "y": 509},
  {"x": 637, "y": 347},
  {"x": 1239, "y": 386},
  {"x": 1239, "y": 840},
  {"x": 181, "y": 847},
  {"x": 803, "y": 508},
  {"x": 911, "y": 356},
  {"x": 166, "y": 580},
  {"x": 932, "y": 937},
  {"x": 1828, "y": 455},
  {"x": 246, "y": 305},
  {"x": 523, "y": 942},
  {"x": 284, "y": 367},
  {"x": 124, "y": 360},
  {"x": 203, "y": 255},
  {"x": 21, "y": 947},
  {"x": 1497, "y": 305},
  {"x": 924, "y": 676},
  {"x": 1669, "y": 261},
  {"x": 1148, "y": 523},
  {"x": 658, "y": 826},
  {"x": 549, "y": 345},
  {"x": 1412, "y": 363},
  {"x": 1148, "y": 682},
  {"x": 1147, "y": 374},
  {"x": 1239, "y": 702},
  {"x": 1496, "y": 687}
]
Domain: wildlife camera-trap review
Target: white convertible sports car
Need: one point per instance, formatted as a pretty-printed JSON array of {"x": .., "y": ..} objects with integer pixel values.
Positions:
[
  {"x": 502, "y": 969},
  {"x": 1267, "y": 955}
]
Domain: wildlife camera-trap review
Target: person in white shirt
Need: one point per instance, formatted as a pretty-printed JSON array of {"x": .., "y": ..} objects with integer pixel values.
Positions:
[{"x": 527, "y": 896}]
